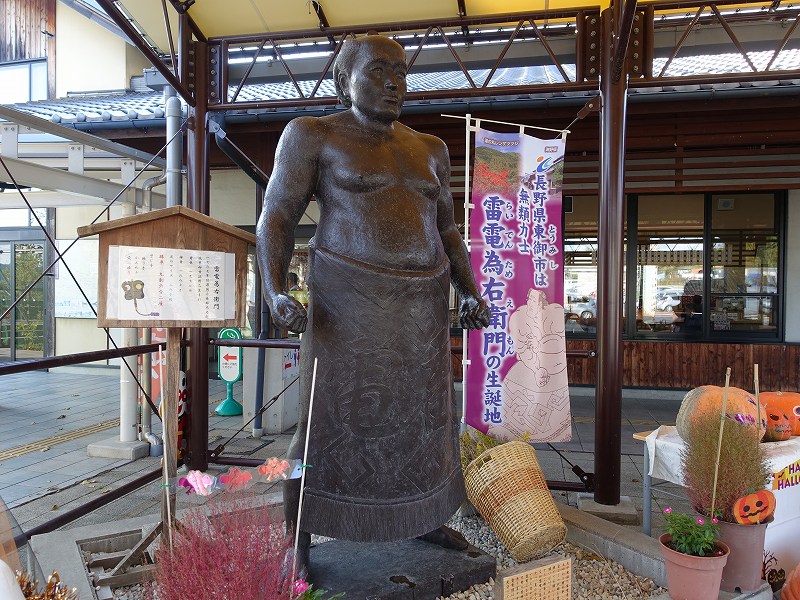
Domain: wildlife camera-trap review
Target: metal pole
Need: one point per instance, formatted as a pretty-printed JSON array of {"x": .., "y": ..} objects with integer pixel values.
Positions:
[
  {"x": 610, "y": 240},
  {"x": 467, "y": 207},
  {"x": 198, "y": 199}
]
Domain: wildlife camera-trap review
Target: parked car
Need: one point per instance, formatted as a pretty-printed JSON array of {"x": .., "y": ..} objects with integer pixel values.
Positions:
[
  {"x": 583, "y": 306},
  {"x": 667, "y": 298}
]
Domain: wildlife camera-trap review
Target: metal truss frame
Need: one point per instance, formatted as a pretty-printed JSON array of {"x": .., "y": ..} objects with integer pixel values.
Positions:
[{"x": 581, "y": 26}]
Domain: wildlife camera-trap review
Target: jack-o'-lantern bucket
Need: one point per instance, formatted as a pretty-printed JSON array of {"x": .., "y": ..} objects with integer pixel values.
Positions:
[{"x": 507, "y": 486}]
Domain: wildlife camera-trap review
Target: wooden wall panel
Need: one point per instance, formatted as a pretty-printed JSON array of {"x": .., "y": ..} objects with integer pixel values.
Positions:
[
  {"x": 21, "y": 25},
  {"x": 683, "y": 365}
]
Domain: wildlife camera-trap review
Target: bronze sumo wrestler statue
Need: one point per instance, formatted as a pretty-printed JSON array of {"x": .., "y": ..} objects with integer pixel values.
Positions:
[{"x": 384, "y": 434}]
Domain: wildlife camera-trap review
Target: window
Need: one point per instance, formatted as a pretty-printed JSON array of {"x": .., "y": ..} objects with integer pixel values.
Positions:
[
  {"x": 23, "y": 81},
  {"x": 669, "y": 264},
  {"x": 580, "y": 266},
  {"x": 707, "y": 266},
  {"x": 744, "y": 268}
]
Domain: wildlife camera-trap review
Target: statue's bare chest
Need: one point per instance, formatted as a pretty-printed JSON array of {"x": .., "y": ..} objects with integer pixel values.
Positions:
[{"x": 361, "y": 167}]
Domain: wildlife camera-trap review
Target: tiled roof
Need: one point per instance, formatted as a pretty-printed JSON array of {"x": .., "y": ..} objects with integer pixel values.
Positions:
[
  {"x": 117, "y": 106},
  {"x": 143, "y": 106}
]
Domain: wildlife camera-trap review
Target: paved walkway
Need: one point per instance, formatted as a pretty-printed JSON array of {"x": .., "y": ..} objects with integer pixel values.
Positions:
[{"x": 47, "y": 419}]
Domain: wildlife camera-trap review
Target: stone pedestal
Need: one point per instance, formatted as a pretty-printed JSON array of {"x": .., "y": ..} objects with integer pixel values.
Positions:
[{"x": 404, "y": 570}]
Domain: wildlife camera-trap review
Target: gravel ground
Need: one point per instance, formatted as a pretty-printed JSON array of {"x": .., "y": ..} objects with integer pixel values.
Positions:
[{"x": 593, "y": 576}]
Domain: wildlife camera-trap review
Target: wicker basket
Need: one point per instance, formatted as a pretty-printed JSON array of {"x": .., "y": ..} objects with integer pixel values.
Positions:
[{"x": 507, "y": 487}]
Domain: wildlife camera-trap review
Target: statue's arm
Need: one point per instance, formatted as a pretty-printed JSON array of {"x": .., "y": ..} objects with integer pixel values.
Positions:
[
  {"x": 473, "y": 311},
  {"x": 293, "y": 181}
]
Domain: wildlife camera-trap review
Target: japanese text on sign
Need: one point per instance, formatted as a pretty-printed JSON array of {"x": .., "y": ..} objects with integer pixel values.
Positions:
[{"x": 165, "y": 284}]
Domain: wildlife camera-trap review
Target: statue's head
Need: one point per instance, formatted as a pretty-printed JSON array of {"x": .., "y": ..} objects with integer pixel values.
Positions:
[{"x": 370, "y": 75}]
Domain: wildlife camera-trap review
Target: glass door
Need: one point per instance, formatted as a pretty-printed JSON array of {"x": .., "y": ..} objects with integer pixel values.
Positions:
[
  {"x": 6, "y": 298},
  {"x": 29, "y": 318}
]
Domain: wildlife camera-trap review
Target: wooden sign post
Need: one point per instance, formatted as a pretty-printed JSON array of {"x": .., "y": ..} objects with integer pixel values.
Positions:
[{"x": 171, "y": 268}]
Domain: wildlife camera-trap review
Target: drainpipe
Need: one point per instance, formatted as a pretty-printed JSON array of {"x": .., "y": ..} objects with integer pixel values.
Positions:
[
  {"x": 172, "y": 177},
  {"x": 146, "y": 431},
  {"x": 173, "y": 113}
]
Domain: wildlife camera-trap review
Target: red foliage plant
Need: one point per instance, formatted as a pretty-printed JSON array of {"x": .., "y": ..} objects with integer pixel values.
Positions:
[{"x": 231, "y": 549}]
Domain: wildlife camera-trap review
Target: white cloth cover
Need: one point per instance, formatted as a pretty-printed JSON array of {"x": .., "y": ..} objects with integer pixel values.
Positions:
[
  {"x": 9, "y": 588},
  {"x": 664, "y": 446}
]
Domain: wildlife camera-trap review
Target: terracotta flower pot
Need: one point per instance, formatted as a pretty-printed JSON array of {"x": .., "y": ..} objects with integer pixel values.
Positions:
[
  {"x": 742, "y": 573},
  {"x": 692, "y": 577}
]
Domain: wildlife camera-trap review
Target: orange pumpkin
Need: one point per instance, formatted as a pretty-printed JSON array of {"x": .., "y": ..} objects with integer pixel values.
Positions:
[
  {"x": 706, "y": 401},
  {"x": 778, "y": 426},
  {"x": 786, "y": 402},
  {"x": 754, "y": 508},
  {"x": 791, "y": 591}
]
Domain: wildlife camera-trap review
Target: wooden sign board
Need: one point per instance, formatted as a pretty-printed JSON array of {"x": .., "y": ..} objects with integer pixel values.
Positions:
[{"x": 171, "y": 268}]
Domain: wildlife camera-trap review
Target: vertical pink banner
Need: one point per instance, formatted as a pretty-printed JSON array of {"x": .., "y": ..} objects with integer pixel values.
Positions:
[{"x": 516, "y": 379}]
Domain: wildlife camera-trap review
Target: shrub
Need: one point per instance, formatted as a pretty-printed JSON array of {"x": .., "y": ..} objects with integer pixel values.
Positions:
[
  {"x": 743, "y": 466},
  {"x": 234, "y": 551}
]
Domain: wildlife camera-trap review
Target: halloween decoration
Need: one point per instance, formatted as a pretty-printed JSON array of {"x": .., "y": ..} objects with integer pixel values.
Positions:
[
  {"x": 754, "y": 508},
  {"x": 706, "y": 401},
  {"x": 776, "y": 579},
  {"x": 791, "y": 591},
  {"x": 779, "y": 428},
  {"x": 774, "y": 576},
  {"x": 786, "y": 402}
]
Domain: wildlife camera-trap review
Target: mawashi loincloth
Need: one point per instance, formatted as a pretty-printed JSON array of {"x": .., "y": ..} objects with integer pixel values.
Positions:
[{"x": 384, "y": 450}]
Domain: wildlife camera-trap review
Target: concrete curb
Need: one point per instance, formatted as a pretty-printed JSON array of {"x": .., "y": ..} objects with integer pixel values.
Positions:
[{"x": 635, "y": 551}]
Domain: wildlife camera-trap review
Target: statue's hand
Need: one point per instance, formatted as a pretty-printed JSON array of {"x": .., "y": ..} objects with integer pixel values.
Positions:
[
  {"x": 474, "y": 313},
  {"x": 289, "y": 313}
]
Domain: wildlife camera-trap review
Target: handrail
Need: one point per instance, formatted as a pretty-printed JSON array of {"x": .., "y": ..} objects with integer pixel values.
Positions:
[
  {"x": 271, "y": 343},
  {"x": 35, "y": 364},
  {"x": 285, "y": 343},
  {"x": 49, "y": 362}
]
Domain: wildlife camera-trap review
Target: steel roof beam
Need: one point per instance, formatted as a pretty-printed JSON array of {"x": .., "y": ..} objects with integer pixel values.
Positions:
[
  {"x": 34, "y": 175},
  {"x": 87, "y": 139},
  {"x": 144, "y": 48}
]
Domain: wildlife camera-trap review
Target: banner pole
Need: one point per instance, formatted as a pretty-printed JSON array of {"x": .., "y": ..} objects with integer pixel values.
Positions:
[{"x": 465, "y": 332}]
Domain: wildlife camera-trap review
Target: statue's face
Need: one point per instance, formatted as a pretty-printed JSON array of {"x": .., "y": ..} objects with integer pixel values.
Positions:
[{"x": 377, "y": 83}]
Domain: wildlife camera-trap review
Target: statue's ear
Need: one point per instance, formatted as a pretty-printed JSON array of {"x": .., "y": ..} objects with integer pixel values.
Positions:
[{"x": 344, "y": 84}]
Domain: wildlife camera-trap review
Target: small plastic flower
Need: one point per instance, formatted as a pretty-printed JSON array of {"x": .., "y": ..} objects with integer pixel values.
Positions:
[
  {"x": 715, "y": 520},
  {"x": 701, "y": 521},
  {"x": 668, "y": 510},
  {"x": 300, "y": 586}
]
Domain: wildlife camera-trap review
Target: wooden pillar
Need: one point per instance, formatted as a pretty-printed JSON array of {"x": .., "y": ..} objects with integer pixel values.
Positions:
[
  {"x": 610, "y": 239},
  {"x": 198, "y": 199},
  {"x": 169, "y": 414}
]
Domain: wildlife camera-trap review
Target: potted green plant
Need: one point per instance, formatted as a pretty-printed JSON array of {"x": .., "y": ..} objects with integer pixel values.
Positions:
[
  {"x": 723, "y": 462},
  {"x": 693, "y": 556}
]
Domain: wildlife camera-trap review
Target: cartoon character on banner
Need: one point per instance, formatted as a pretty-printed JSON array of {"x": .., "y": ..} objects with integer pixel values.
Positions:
[{"x": 536, "y": 389}]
